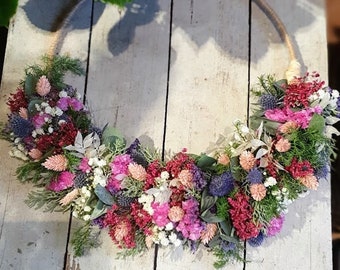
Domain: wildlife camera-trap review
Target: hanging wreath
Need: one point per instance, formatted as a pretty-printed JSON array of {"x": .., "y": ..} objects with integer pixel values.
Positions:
[{"x": 238, "y": 194}]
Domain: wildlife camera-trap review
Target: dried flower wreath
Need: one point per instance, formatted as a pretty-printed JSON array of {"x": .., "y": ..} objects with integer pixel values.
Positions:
[{"x": 239, "y": 194}]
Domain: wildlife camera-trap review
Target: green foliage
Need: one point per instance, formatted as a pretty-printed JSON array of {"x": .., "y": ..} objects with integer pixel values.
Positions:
[
  {"x": 222, "y": 207},
  {"x": 84, "y": 238},
  {"x": 293, "y": 186},
  {"x": 266, "y": 209},
  {"x": 7, "y": 10},
  {"x": 33, "y": 172},
  {"x": 55, "y": 68},
  {"x": 132, "y": 187},
  {"x": 46, "y": 199},
  {"x": 120, "y": 3},
  {"x": 104, "y": 195},
  {"x": 224, "y": 257}
]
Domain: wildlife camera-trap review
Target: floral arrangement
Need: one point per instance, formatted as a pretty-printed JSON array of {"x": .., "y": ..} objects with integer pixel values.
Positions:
[{"x": 187, "y": 201}]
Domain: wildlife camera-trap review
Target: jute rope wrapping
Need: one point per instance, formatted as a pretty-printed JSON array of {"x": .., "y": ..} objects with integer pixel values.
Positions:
[{"x": 292, "y": 71}]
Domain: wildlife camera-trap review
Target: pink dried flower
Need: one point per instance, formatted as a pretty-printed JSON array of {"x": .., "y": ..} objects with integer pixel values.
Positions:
[
  {"x": 69, "y": 197},
  {"x": 247, "y": 160},
  {"x": 84, "y": 165},
  {"x": 160, "y": 213},
  {"x": 121, "y": 231},
  {"x": 288, "y": 127},
  {"x": 56, "y": 163},
  {"x": 175, "y": 214},
  {"x": 23, "y": 113},
  {"x": 63, "y": 181},
  {"x": 258, "y": 191},
  {"x": 309, "y": 181},
  {"x": 283, "y": 145},
  {"x": 208, "y": 233},
  {"x": 223, "y": 159},
  {"x": 185, "y": 177},
  {"x": 299, "y": 169},
  {"x": 275, "y": 225},
  {"x": 35, "y": 153},
  {"x": 137, "y": 171},
  {"x": 43, "y": 86},
  {"x": 120, "y": 164}
]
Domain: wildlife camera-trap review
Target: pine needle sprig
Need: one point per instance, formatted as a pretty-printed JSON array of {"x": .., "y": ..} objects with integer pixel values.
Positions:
[
  {"x": 55, "y": 69},
  {"x": 84, "y": 238},
  {"x": 34, "y": 173},
  {"x": 46, "y": 199}
]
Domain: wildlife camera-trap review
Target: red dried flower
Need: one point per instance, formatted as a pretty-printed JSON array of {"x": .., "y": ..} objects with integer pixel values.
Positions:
[
  {"x": 298, "y": 92},
  {"x": 181, "y": 161},
  {"x": 241, "y": 214},
  {"x": 299, "y": 169},
  {"x": 17, "y": 100}
]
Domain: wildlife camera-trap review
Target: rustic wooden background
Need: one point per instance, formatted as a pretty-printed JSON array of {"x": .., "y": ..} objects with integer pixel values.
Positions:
[{"x": 174, "y": 73}]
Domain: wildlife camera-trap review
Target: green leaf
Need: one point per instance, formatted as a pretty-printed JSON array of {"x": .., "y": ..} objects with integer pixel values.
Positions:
[
  {"x": 7, "y": 10},
  {"x": 31, "y": 105},
  {"x": 111, "y": 135},
  {"x": 104, "y": 195},
  {"x": 317, "y": 123},
  {"x": 99, "y": 210},
  {"x": 120, "y": 3},
  {"x": 207, "y": 201},
  {"x": 229, "y": 239},
  {"x": 30, "y": 84},
  {"x": 226, "y": 227},
  {"x": 205, "y": 161},
  {"x": 209, "y": 217}
]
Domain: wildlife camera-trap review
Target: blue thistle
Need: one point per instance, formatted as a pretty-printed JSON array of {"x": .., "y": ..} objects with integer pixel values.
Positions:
[
  {"x": 134, "y": 151},
  {"x": 322, "y": 173},
  {"x": 256, "y": 241},
  {"x": 21, "y": 127},
  {"x": 227, "y": 246},
  {"x": 255, "y": 176},
  {"x": 268, "y": 101},
  {"x": 221, "y": 185}
]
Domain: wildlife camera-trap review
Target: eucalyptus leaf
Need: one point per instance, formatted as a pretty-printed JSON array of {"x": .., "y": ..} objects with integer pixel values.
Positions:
[
  {"x": 229, "y": 239},
  {"x": 317, "y": 123},
  {"x": 99, "y": 210},
  {"x": 209, "y": 217},
  {"x": 31, "y": 106},
  {"x": 226, "y": 227},
  {"x": 207, "y": 201},
  {"x": 104, "y": 195},
  {"x": 205, "y": 161},
  {"x": 111, "y": 135}
]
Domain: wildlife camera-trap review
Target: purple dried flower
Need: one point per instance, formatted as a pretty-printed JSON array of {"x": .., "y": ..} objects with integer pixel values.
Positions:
[
  {"x": 255, "y": 176},
  {"x": 268, "y": 102},
  {"x": 21, "y": 127},
  {"x": 198, "y": 178},
  {"x": 322, "y": 173},
  {"x": 256, "y": 241},
  {"x": 275, "y": 225},
  {"x": 227, "y": 246},
  {"x": 221, "y": 185},
  {"x": 99, "y": 222}
]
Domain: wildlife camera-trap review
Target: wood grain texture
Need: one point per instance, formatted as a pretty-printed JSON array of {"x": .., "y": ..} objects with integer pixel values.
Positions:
[
  {"x": 126, "y": 86},
  {"x": 305, "y": 241},
  {"x": 30, "y": 239}
]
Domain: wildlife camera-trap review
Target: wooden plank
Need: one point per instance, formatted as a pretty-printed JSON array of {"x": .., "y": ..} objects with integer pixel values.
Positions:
[
  {"x": 207, "y": 87},
  {"x": 30, "y": 239},
  {"x": 127, "y": 89},
  {"x": 305, "y": 241}
]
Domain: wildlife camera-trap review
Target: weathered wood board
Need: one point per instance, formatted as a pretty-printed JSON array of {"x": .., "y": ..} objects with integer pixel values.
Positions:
[{"x": 174, "y": 74}]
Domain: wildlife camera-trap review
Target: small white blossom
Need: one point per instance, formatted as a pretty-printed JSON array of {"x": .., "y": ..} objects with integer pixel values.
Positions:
[
  {"x": 87, "y": 208},
  {"x": 60, "y": 122},
  {"x": 165, "y": 175},
  {"x": 62, "y": 94},
  {"x": 270, "y": 181},
  {"x": 50, "y": 129},
  {"x": 86, "y": 217}
]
